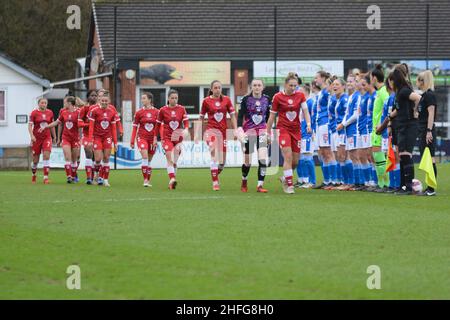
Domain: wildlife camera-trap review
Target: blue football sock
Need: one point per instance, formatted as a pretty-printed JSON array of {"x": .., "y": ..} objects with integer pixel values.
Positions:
[
  {"x": 311, "y": 169},
  {"x": 343, "y": 171},
  {"x": 374, "y": 174},
  {"x": 357, "y": 172},
  {"x": 333, "y": 171},
  {"x": 350, "y": 172},
  {"x": 326, "y": 173},
  {"x": 367, "y": 172}
]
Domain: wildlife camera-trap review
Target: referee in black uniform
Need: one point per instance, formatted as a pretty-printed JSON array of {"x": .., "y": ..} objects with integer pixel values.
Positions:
[{"x": 427, "y": 116}]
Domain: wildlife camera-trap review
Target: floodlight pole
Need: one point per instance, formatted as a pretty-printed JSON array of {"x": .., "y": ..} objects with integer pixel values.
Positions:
[
  {"x": 428, "y": 35},
  {"x": 115, "y": 75},
  {"x": 275, "y": 54}
]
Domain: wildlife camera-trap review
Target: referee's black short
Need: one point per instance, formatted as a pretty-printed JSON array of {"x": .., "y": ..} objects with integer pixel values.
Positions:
[
  {"x": 423, "y": 139},
  {"x": 406, "y": 135}
]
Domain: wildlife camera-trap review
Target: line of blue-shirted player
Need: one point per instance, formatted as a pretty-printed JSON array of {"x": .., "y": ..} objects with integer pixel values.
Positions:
[{"x": 342, "y": 121}]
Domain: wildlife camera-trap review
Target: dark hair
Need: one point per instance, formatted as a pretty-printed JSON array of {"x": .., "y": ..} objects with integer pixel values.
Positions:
[
  {"x": 400, "y": 80},
  {"x": 90, "y": 91},
  {"x": 314, "y": 85},
  {"x": 211, "y": 86},
  {"x": 378, "y": 73},
  {"x": 71, "y": 99},
  {"x": 386, "y": 82},
  {"x": 171, "y": 92},
  {"x": 307, "y": 87},
  {"x": 324, "y": 74},
  {"x": 367, "y": 77},
  {"x": 149, "y": 96}
]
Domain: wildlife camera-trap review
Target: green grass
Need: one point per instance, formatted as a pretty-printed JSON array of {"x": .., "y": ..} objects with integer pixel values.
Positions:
[{"x": 192, "y": 243}]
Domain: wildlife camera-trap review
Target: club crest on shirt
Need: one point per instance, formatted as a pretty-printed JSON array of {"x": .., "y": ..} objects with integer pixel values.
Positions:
[
  {"x": 173, "y": 125},
  {"x": 43, "y": 124},
  {"x": 291, "y": 115},
  {"x": 149, "y": 127},
  {"x": 218, "y": 116},
  {"x": 217, "y": 104},
  {"x": 174, "y": 114},
  {"x": 105, "y": 114},
  {"x": 149, "y": 115},
  {"x": 104, "y": 124},
  {"x": 290, "y": 102},
  {"x": 69, "y": 125},
  {"x": 258, "y": 103},
  {"x": 43, "y": 116}
]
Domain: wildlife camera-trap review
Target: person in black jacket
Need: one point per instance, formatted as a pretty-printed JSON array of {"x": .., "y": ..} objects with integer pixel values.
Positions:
[
  {"x": 406, "y": 115},
  {"x": 427, "y": 115}
]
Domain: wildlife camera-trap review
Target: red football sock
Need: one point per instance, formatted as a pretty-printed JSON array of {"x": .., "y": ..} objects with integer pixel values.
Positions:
[
  {"x": 144, "y": 172},
  {"x": 68, "y": 170},
  {"x": 105, "y": 172},
  {"x": 74, "y": 170}
]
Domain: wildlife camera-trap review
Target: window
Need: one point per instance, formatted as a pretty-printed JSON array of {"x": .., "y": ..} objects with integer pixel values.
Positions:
[
  {"x": 189, "y": 98},
  {"x": 2, "y": 107}
]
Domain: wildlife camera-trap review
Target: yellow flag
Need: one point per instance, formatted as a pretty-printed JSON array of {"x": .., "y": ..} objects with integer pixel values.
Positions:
[{"x": 426, "y": 164}]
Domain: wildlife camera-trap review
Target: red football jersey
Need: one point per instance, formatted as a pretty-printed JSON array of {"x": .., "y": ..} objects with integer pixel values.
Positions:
[
  {"x": 39, "y": 119},
  {"x": 69, "y": 121},
  {"x": 115, "y": 110},
  {"x": 84, "y": 116},
  {"x": 217, "y": 112},
  {"x": 145, "y": 120},
  {"x": 103, "y": 120},
  {"x": 288, "y": 108},
  {"x": 172, "y": 118}
]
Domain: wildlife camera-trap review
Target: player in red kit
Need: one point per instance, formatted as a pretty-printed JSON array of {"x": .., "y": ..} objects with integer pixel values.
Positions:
[
  {"x": 100, "y": 94},
  {"x": 144, "y": 127},
  {"x": 83, "y": 122},
  {"x": 288, "y": 105},
  {"x": 102, "y": 133},
  {"x": 217, "y": 106},
  {"x": 68, "y": 118},
  {"x": 41, "y": 141},
  {"x": 171, "y": 117}
]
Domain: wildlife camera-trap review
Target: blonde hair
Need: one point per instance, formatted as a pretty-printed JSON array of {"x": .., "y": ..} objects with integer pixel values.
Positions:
[
  {"x": 428, "y": 80},
  {"x": 79, "y": 103},
  {"x": 291, "y": 76}
]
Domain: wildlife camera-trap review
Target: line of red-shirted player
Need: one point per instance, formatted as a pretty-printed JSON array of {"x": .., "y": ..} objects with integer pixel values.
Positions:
[{"x": 99, "y": 121}]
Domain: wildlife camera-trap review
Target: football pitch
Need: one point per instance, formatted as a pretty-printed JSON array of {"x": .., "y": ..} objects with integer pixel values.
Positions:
[{"x": 194, "y": 243}]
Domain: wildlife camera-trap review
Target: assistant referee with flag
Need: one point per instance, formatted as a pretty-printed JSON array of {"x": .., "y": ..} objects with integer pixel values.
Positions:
[{"x": 427, "y": 115}]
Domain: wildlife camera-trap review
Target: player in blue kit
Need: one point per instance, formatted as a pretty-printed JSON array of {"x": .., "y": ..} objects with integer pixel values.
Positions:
[
  {"x": 332, "y": 124},
  {"x": 362, "y": 138},
  {"x": 349, "y": 124},
  {"x": 306, "y": 167},
  {"x": 339, "y": 86},
  {"x": 323, "y": 81},
  {"x": 252, "y": 127}
]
